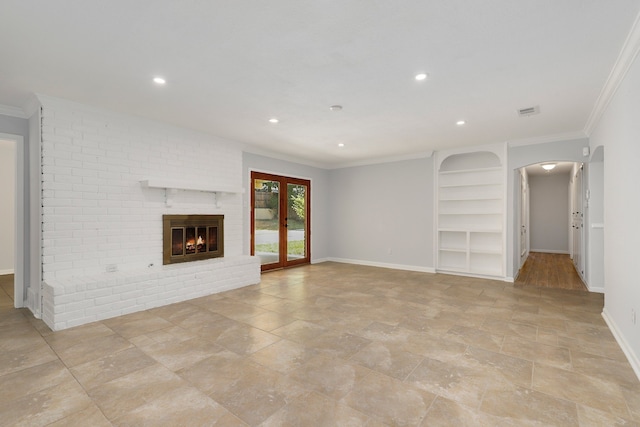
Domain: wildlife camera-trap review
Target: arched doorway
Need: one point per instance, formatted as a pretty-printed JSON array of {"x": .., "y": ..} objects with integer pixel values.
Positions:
[{"x": 548, "y": 209}]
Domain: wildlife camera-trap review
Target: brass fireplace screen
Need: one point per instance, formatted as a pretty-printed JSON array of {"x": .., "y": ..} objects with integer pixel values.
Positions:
[{"x": 192, "y": 237}]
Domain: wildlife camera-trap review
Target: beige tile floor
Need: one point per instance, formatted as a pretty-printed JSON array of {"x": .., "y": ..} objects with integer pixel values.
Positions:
[{"x": 327, "y": 345}]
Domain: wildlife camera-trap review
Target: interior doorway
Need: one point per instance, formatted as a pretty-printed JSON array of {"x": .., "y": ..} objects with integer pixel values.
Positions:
[
  {"x": 577, "y": 243},
  {"x": 280, "y": 232},
  {"x": 12, "y": 217},
  {"x": 549, "y": 209}
]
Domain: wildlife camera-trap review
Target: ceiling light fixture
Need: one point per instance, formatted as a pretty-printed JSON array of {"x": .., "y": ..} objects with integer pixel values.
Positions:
[
  {"x": 273, "y": 120},
  {"x": 159, "y": 80},
  {"x": 461, "y": 122},
  {"x": 335, "y": 107},
  {"x": 341, "y": 145},
  {"x": 421, "y": 76},
  {"x": 548, "y": 166}
]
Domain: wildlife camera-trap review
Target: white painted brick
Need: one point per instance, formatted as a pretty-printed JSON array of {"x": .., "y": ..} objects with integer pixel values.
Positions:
[
  {"x": 78, "y": 305},
  {"x": 93, "y": 162},
  {"x": 107, "y": 299},
  {"x": 70, "y": 315},
  {"x": 98, "y": 293}
]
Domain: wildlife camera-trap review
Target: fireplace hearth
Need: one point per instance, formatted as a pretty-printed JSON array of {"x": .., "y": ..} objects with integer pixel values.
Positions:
[{"x": 192, "y": 237}]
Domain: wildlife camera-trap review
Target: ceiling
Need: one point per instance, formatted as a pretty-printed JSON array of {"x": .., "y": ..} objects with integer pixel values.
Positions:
[
  {"x": 562, "y": 168},
  {"x": 232, "y": 65}
]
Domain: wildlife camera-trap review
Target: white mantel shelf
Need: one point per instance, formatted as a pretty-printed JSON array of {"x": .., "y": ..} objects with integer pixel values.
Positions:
[
  {"x": 168, "y": 184},
  {"x": 171, "y": 187}
]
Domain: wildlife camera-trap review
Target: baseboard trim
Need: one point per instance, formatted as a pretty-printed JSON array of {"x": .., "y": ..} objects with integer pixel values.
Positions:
[
  {"x": 384, "y": 265},
  {"x": 477, "y": 276},
  {"x": 4, "y": 272},
  {"x": 596, "y": 289},
  {"x": 550, "y": 251},
  {"x": 319, "y": 260},
  {"x": 624, "y": 345}
]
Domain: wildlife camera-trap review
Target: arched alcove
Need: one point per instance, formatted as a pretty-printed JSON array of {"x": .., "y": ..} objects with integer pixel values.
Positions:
[
  {"x": 470, "y": 206},
  {"x": 475, "y": 160}
]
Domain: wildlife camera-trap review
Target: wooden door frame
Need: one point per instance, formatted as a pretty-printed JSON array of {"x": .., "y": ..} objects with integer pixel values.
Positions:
[{"x": 282, "y": 220}]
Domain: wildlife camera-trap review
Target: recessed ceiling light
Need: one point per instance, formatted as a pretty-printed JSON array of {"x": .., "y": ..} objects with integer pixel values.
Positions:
[
  {"x": 341, "y": 145},
  {"x": 461, "y": 123},
  {"x": 421, "y": 76},
  {"x": 159, "y": 80},
  {"x": 335, "y": 107},
  {"x": 273, "y": 120},
  {"x": 548, "y": 166}
]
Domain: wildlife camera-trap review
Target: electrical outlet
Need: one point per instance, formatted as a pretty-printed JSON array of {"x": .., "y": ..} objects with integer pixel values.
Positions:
[{"x": 112, "y": 268}]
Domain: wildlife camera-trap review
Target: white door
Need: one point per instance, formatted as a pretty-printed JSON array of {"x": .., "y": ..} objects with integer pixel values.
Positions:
[
  {"x": 524, "y": 217},
  {"x": 577, "y": 227}
]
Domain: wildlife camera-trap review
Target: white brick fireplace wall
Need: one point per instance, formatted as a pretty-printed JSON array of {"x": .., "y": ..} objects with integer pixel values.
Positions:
[{"x": 97, "y": 217}]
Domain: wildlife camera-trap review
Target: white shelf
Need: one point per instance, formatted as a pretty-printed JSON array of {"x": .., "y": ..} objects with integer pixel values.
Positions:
[
  {"x": 171, "y": 187},
  {"x": 463, "y": 250},
  {"x": 471, "y": 229},
  {"x": 473, "y": 184},
  {"x": 169, "y": 184},
  {"x": 470, "y": 170},
  {"x": 486, "y": 251},
  {"x": 466, "y": 198}
]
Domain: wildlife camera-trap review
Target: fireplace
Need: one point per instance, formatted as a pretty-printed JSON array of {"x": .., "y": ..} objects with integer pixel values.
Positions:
[{"x": 192, "y": 237}]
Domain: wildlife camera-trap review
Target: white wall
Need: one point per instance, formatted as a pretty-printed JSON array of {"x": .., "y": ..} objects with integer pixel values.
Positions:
[
  {"x": 7, "y": 205},
  {"x": 95, "y": 211},
  {"x": 549, "y": 213},
  {"x": 380, "y": 208},
  {"x": 618, "y": 131},
  {"x": 320, "y": 205}
]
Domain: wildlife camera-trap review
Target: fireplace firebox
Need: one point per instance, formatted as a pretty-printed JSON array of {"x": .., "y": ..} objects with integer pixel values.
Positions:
[{"x": 192, "y": 237}]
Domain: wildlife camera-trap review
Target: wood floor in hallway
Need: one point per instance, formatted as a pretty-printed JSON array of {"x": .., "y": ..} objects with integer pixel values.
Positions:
[{"x": 547, "y": 270}]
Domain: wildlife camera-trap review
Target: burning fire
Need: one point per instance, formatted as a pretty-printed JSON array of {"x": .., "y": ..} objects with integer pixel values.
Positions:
[{"x": 191, "y": 245}]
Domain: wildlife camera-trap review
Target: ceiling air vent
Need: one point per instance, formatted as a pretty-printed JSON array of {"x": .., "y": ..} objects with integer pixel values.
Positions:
[{"x": 529, "y": 111}]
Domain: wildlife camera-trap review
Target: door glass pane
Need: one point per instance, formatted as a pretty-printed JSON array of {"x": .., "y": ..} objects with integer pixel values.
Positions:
[
  {"x": 177, "y": 241},
  {"x": 213, "y": 239},
  {"x": 190, "y": 241},
  {"x": 267, "y": 220},
  {"x": 201, "y": 241},
  {"x": 296, "y": 221}
]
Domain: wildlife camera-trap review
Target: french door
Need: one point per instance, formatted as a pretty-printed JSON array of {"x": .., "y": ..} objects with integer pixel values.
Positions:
[{"x": 280, "y": 232}]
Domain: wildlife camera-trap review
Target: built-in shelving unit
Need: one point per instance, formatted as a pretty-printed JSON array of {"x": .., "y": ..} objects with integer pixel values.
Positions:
[{"x": 470, "y": 212}]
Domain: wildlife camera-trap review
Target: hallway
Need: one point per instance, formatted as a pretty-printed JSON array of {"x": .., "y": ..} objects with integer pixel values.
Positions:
[
  {"x": 547, "y": 270},
  {"x": 6, "y": 289}
]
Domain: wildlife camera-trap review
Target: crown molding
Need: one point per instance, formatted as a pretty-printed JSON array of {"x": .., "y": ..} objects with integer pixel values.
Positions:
[
  {"x": 7, "y": 110},
  {"x": 380, "y": 160},
  {"x": 567, "y": 136},
  {"x": 248, "y": 148},
  {"x": 259, "y": 151},
  {"x": 32, "y": 105},
  {"x": 627, "y": 56}
]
